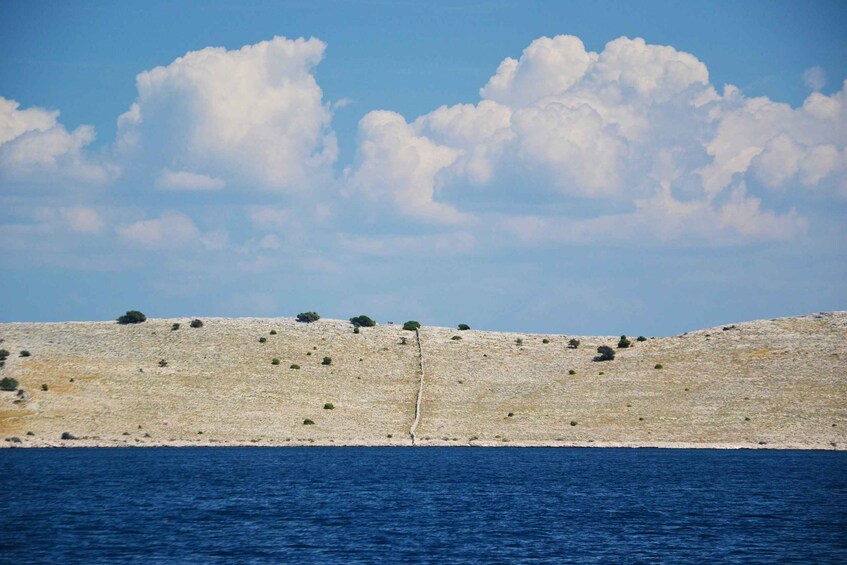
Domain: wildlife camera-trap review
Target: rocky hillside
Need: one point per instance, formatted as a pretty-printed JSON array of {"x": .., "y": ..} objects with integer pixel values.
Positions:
[{"x": 773, "y": 383}]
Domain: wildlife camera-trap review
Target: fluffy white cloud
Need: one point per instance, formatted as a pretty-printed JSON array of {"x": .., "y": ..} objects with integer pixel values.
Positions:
[
  {"x": 34, "y": 146},
  {"x": 185, "y": 180},
  {"x": 636, "y": 124},
  {"x": 171, "y": 230},
  {"x": 253, "y": 115}
]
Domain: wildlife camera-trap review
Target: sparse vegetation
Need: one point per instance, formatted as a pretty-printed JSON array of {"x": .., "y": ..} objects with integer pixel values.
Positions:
[
  {"x": 24, "y": 353},
  {"x": 456, "y": 338},
  {"x": 641, "y": 338},
  {"x": 273, "y": 332},
  {"x": 624, "y": 343},
  {"x": 356, "y": 330},
  {"x": 8, "y": 383},
  {"x": 519, "y": 341},
  {"x": 510, "y": 414},
  {"x": 464, "y": 327},
  {"x": 658, "y": 366},
  {"x": 606, "y": 353},
  {"x": 263, "y": 340},
  {"x": 68, "y": 435},
  {"x": 573, "y": 422},
  {"x": 571, "y": 372},
  {"x": 326, "y": 361},
  {"x": 573, "y": 343},
  {"x": 196, "y": 323},
  {"x": 294, "y": 366},
  {"x": 175, "y": 327},
  {"x": 275, "y": 361},
  {"x": 411, "y": 325},
  {"x": 308, "y": 422},
  {"x": 329, "y": 406},
  {"x": 545, "y": 340},
  {"x": 132, "y": 317},
  {"x": 362, "y": 321},
  {"x": 4, "y": 353},
  {"x": 163, "y": 363},
  {"x": 308, "y": 317},
  {"x": 403, "y": 341},
  {"x": 45, "y": 388}
]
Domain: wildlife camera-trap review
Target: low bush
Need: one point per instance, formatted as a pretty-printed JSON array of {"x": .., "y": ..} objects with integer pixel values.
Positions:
[
  {"x": 356, "y": 330},
  {"x": 510, "y": 414},
  {"x": 45, "y": 388},
  {"x": 571, "y": 372},
  {"x": 195, "y": 323},
  {"x": 263, "y": 340},
  {"x": 658, "y": 366},
  {"x": 362, "y": 322},
  {"x": 294, "y": 366},
  {"x": 606, "y": 353},
  {"x": 545, "y": 340},
  {"x": 573, "y": 343},
  {"x": 273, "y": 332},
  {"x": 573, "y": 422},
  {"x": 175, "y": 327},
  {"x": 464, "y": 327},
  {"x": 641, "y": 338},
  {"x": 329, "y": 406},
  {"x": 308, "y": 422},
  {"x": 68, "y": 435},
  {"x": 163, "y": 363},
  {"x": 275, "y": 361},
  {"x": 456, "y": 338},
  {"x": 25, "y": 353},
  {"x": 411, "y": 325},
  {"x": 519, "y": 342},
  {"x": 624, "y": 342},
  {"x": 308, "y": 317},
  {"x": 8, "y": 383},
  {"x": 132, "y": 317},
  {"x": 326, "y": 361},
  {"x": 3, "y": 354}
]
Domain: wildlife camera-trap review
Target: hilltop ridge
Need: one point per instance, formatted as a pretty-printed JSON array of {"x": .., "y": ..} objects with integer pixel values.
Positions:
[{"x": 759, "y": 384}]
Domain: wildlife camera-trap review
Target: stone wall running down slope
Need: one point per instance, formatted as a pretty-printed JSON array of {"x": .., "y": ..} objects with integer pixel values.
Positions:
[{"x": 766, "y": 384}]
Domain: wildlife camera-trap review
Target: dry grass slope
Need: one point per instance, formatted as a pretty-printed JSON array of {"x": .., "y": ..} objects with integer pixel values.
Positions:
[{"x": 772, "y": 383}]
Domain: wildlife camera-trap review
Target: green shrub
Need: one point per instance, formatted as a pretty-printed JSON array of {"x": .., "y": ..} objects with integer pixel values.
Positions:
[
  {"x": 294, "y": 366},
  {"x": 175, "y": 327},
  {"x": 411, "y": 325},
  {"x": 519, "y": 341},
  {"x": 195, "y": 323},
  {"x": 308, "y": 317},
  {"x": 573, "y": 343},
  {"x": 45, "y": 388},
  {"x": 273, "y": 332},
  {"x": 606, "y": 353},
  {"x": 356, "y": 330},
  {"x": 641, "y": 338},
  {"x": 25, "y": 353},
  {"x": 464, "y": 327},
  {"x": 510, "y": 414},
  {"x": 275, "y": 361},
  {"x": 362, "y": 322},
  {"x": 132, "y": 317},
  {"x": 573, "y": 422},
  {"x": 326, "y": 361},
  {"x": 8, "y": 383},
  {"x": 3, "y": 354},
  {"x": 658, "y": 366},
  {"x": 571, "y": 372},
  {"x": 624, "y": 343},
  {"x": 308, "y": 422},
  {"x": 329, "y": 406},
  {"x": 68, "y": 435},
  {"x": 263, "y": 340},
  {"x": 545, "y": 340},
  {"x": 456, "y": 338}
]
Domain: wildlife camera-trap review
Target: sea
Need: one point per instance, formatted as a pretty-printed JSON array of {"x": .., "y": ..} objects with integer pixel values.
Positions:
[{"x": 422, "y": 505}]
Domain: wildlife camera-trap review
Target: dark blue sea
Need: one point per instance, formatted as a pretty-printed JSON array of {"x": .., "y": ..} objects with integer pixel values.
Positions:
[{"x": 435, "y": 505}]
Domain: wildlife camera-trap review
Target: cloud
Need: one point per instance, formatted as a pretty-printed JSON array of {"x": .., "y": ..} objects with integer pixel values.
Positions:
[
  {"x": 814, "y": 78},
  {"x": 638, "y": 126},
  {"x": 253, "y": 116},
  {"x": 82, "y": 220},
  {"x": 171, "y": 230},
  {"x": 34, "y": 146},
  {"x": 184, "y": 180}
]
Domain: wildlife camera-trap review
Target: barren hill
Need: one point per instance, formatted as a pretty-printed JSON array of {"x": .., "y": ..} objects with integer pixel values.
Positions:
[{"x": 773, "y": 383}]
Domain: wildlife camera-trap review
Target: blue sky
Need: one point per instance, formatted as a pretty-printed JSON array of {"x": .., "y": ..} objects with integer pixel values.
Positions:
[{"x": 574, "y": 168}]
